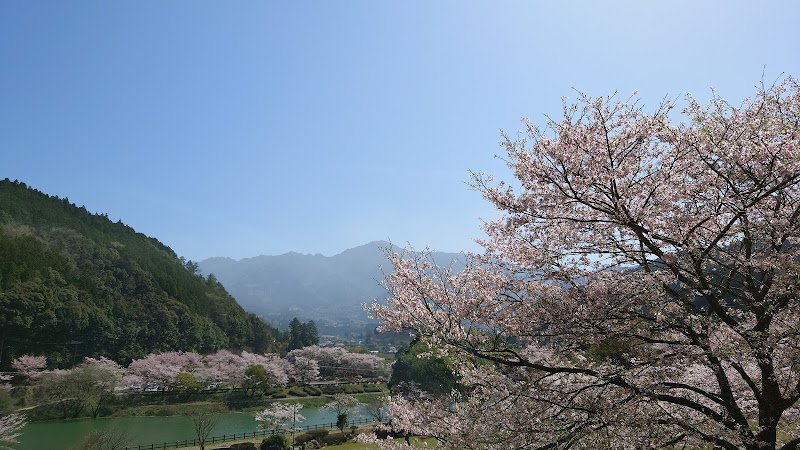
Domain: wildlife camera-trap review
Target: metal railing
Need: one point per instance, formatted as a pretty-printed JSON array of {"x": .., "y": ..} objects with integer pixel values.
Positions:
[{"x": 239, "y": 436}]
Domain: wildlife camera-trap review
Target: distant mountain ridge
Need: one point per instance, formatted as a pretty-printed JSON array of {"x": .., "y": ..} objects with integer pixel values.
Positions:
[{"x": 311, "y": 287}]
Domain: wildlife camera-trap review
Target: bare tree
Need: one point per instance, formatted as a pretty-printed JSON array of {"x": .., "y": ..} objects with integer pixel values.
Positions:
[
  {"x": 113, "y": 439},
  {"x": 204, "y": 423},
  {"x": 376, "y": 407}
]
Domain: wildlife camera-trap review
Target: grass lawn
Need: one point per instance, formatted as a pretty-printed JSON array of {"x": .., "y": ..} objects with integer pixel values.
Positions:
[{"x": 417, "y": 442}]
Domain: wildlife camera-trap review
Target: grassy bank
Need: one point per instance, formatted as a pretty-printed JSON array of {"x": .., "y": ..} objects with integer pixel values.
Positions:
[
  {"x": 183, "y": 403},
  {"x": 350, "y": 445},
  {"x": 185, "y": 409}
]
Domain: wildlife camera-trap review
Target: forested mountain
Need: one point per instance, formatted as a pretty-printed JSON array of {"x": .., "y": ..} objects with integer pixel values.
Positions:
[
  {"x": 322, "y": 288},
  {"x": 75, "y": 284}
]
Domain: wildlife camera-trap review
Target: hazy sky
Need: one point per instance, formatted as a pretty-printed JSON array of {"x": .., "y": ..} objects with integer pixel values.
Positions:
[{"x": 245, "y": 128}]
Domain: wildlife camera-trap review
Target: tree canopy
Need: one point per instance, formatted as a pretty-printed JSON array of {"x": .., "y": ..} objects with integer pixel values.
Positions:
[
  {"x": 75, "y": 284},
  {"x": 639, "y": 291},
  {"x": 412, "y": 368},
  {"x": 301, "y": 334}
]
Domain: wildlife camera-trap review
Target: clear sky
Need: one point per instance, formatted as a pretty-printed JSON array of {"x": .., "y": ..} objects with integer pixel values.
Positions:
[{"x": 256, "y": 127}]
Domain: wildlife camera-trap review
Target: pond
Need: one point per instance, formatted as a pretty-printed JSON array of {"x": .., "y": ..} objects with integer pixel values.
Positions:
[{"x": 149, "y": 430}]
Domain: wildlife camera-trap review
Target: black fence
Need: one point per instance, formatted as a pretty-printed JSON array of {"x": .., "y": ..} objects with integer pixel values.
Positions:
[{"x": 211, "y": 440}]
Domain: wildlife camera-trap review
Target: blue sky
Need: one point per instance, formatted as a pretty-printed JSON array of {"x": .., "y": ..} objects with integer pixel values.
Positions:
[{"x": 245, "y": 128}]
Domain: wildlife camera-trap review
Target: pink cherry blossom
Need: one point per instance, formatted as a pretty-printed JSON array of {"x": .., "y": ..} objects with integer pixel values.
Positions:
[
  {"x": 338, "y": 362},
  {"x": 10, "y": 428},
  {"x": 29, "y": 366},
  {"x": 279, "y": 416},
  {"x": 640, "y": 289},
  {"x": 158, "y": 371}
]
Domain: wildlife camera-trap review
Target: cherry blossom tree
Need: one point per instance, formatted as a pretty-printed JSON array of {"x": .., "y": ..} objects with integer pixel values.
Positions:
[
  {"x": 29, "y": 366},
  {"x": 161, "y": 370},
  {"x": 132, "y": 383},
  {"x": 264, "y": 372},
  {"x": 158, "y": 370},
  {"x": 225, "y": 367},
  {"x": 100, "y": 377},
  {"x": 342, "y": 404},
  {"x": 278, "y": 416},
  {"x": 639, "y": 291},
  {"x": 278, "y": 369},
  {"x": 337, "y": 361},
  {"x": 10, "y": 428},
  {"x": 5, "y": 388},
  {"x": 90, "y": 384},
  {"x": 307, "y": 369}
]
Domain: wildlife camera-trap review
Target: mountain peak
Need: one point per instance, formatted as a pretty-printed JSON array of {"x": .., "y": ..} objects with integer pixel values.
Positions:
[
  {"x": 368, "y": 247},
  {"x": 316, "y": 287}
]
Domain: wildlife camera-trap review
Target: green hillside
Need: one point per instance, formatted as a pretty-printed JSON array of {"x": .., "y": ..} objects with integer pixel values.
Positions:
[{"x": 75, "y": 284}]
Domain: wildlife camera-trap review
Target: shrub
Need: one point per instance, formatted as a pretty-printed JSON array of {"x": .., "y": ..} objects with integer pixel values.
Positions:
[
  {"x": 276, "y": 440},
  {"x": 384, "y": 434},
  {"x": 335, "y": 439},
  {"x": 243, "y": 446},
  {"x": 332, "y": 389},
  {"x": 353, "y": 388},
  {"x": 301, "y": 439},
  {"x": 297, "y": 391},
  {"x": 311, "y": 435},
  {"x": 318, "y": 434},
  {"x": 311, "y": 390}
]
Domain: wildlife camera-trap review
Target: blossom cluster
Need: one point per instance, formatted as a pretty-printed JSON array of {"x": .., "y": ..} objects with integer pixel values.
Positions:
[
  {"x": 639, "y": 291},
  {"x": 159, "y": 371},
  {"x": 337, "y": 361}
]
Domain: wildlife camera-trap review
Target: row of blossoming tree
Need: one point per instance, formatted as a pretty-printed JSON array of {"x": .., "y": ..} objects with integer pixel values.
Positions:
[
  {"x": 641, "y": 290},
  {"x": 89, "y": 386},
  {"x": 187, "y": 370}
]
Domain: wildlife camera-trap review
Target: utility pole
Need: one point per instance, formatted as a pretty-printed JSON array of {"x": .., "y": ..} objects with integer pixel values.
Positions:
[{"x": 294, "y": 421}]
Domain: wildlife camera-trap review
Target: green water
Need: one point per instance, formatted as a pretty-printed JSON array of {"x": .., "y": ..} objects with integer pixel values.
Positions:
[{"x": 145, "y": 430}]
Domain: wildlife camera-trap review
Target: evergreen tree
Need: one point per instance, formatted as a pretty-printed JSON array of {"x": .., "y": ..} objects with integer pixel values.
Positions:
[
  {"x": 309, "y": 334},
  {"x": 301, "y": 334},
  {"x": 294, "y": 333},
  {"x": 75, "y": 284}
]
